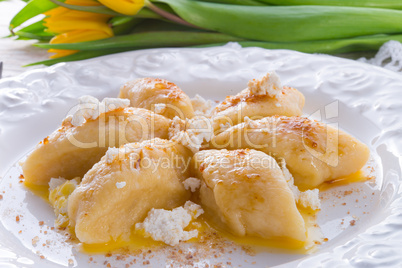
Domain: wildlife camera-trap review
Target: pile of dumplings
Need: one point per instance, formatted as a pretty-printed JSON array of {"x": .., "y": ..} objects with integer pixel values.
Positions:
[{"x": 153, "y": 147}]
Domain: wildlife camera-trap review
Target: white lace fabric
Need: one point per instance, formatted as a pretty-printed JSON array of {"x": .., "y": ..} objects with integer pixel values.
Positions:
[{"x": 389, "y": 56}]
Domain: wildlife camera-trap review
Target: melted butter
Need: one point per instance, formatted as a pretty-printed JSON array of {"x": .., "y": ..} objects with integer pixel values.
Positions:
[
  {"x": 139, "y": 242},
  {"x": 136, "y": 242},
  {"x": 205, "y": 227},
  {"x": 282, "y": 244},
  {"x": 359, "y": 176},
  {"x": 40, "y": 190}
]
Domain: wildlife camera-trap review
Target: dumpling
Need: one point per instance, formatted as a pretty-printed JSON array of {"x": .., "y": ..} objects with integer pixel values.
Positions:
[
  {"x": 71, "y": 151},
  {"x": 245, "y": 192},
  {"x": 313, "y": 151},
  {"x": 158, "y": 95},
  {"x": 125, "y": 185},
  {"x": 263, "y": 97}
]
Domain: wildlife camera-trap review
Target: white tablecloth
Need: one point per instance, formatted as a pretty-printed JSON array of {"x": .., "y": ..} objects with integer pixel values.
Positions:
[{"x": 15, "y": 54}]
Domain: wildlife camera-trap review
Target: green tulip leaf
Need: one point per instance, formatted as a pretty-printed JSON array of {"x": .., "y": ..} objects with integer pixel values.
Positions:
[
  {"x": 147, "y": 39},
  {"x": 238, "y": 2},
  {"x": 288, "y": 23},
  {"x": 393, "y": 4},
  {"x": 32, "y": 9}
]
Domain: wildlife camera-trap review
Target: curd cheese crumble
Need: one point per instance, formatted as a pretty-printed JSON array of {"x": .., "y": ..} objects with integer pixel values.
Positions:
[
  {"x": 310, "y": 198},
  {"x": 90, "y": 108},
  {"x": 191, "y": 132},
  {"x": 120, "y": 185},
  {"x": 111, "y": 154},
  {"x": 168, "y": 225},
  {"x": 202, "y": 106},
  {"x": 306, "y": 199},
  {"x": 159, "y": 108},
  {"x": 59, "y": 192},
  {"x": 192, "y": 184},
  {"x": 55, "y": 182},
  {"x": 225, "y": 126},
  {"x": 269, "y": 85}
]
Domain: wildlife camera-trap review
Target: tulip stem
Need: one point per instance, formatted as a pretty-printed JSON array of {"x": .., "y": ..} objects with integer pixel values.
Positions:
[{"x": 168, "y": 15}]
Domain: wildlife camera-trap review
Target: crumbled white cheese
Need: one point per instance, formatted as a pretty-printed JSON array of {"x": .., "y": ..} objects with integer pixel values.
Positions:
[
  {"x": 202, "y": 106},
  {"x": 310, "y": 198},
  {"x": 87, "y": 99},
  {"x": 67, "y": 120},
  {"x": 159, "y": 108},
  {"x": 55, "y": 182},
  {"x": 225, "y": 126},
  {"x": 201, "y": 129},
  {"x": 111, "y": 104},
  {"x": 77, "y": 120},
  {"x": 192, "y": 133},
  {"x": 278, "y": 104},
  {"x": 269, "y": 85},
  {"x": 192, "y": 184},
  {"x": 194, "y": 209},
  {"x": 111, "y": 154},
  {"x": 59, "y": 192},
  {"x": 289, "y": 178},
  {"x": 120, "y": 185},
  {"x": 168, "y": 226},
  {"x": 90, "y": 108},
  {"x": 306, "y": 199},
  {"x": 247, "y": 120}
]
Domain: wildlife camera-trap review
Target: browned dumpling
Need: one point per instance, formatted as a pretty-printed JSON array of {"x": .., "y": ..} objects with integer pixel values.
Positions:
[
  {"x": 71, "y": 151},
  {"x": 313, "y": 151},
  {"x": 262, "y": 98},
  {"x": 158, "y": 95},
  {"x": 245, "y": 192},
  {"x": 119, "y": 190}
]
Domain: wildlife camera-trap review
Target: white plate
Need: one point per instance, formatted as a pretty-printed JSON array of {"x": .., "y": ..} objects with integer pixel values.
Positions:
[{"x": 363, "y": 100}]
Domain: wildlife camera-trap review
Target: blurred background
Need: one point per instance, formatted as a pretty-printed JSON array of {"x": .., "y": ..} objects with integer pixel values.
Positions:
[{"x": 15, "y": 53}]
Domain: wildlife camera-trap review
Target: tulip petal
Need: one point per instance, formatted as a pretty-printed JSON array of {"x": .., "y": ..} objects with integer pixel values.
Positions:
[
  {"x": 83, "y": 2},
  {"x": 126, "y": 7},
  {"x": 61, "y": 20},
  {"x": 74, "y": 37}
]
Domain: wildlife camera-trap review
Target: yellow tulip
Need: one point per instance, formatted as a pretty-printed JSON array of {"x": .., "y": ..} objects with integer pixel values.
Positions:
[
  {"x": 72, "y": 26},
  {"x": 73, "y": 37},
  {"x": 83, "y": 2},
  {"x": 61, "y": 20},
  {"x": 126, "y": 7}
]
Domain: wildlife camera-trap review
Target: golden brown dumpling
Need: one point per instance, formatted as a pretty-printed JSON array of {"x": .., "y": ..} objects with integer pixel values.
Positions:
[
  {"x": 119, "y": 190},
  {"x": 246, "y": 193},
  {"x": 71, "y": 151},
  {"x": 158, "y": 95},
  {"x": 264, "y": 97},
  {"x": 313, "y": 151}
]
